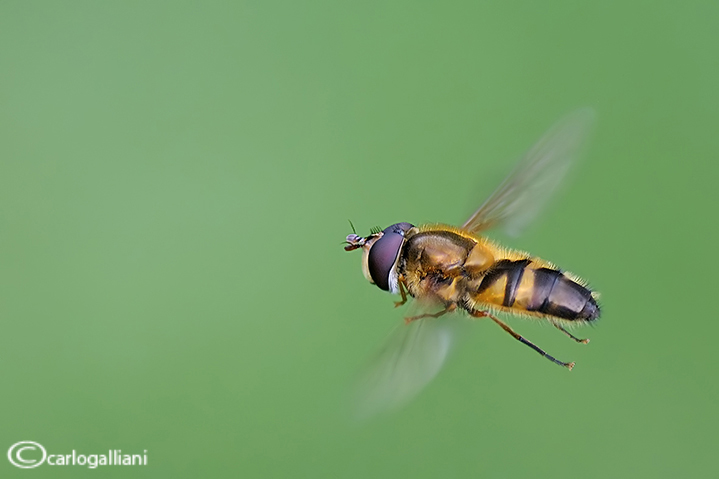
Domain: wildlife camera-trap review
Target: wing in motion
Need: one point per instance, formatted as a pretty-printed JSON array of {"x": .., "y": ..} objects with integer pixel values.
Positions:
[
  {"x": 523, "y": 193},
  {"x": 410, "y": 358}
]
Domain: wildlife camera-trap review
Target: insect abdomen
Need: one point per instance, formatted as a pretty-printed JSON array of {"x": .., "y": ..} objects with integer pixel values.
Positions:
[{"x": 527, "y": 286}]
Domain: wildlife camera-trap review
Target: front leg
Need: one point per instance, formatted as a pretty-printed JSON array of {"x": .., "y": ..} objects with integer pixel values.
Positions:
[{"x": 402, "y": 291}]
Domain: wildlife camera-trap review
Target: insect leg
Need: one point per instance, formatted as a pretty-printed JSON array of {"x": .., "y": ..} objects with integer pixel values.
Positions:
[
  {"x": 446, "y": 310},
  {"x": 402, "y": 291},
  {"x": 482, "y": 314},
  {"x": 583, "y": 341}
]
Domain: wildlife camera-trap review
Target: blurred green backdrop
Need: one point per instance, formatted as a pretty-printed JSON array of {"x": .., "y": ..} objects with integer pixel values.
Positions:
[{"x": 176, "y": 179}]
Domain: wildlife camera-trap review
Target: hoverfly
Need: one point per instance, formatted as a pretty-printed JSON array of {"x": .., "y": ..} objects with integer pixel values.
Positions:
[{"x": 458, "y": 269}]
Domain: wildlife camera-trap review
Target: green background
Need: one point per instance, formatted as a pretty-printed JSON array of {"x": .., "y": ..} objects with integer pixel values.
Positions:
[{"x": 176, "y": 180}]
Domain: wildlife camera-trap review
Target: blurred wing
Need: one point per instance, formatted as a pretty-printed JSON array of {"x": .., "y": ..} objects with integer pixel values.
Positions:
[
  {"x": 410, "y": 358},
  {"x": 523, "y": 193}
]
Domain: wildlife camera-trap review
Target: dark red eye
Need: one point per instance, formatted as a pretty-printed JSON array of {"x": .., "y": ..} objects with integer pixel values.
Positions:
[{"x": 383, "y": 253}]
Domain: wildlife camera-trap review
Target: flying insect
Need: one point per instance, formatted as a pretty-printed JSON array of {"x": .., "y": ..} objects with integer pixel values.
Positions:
[{"x": 457, "y": 268}]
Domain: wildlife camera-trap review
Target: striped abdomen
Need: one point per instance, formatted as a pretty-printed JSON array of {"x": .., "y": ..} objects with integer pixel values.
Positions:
[{"x": 527, "y": 286}]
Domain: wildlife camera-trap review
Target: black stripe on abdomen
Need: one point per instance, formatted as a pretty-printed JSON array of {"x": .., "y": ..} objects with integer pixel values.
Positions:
[{"x": 512, "y": 271}]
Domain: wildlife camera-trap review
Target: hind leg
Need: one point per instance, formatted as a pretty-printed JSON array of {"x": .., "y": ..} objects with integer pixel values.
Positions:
[{"x": 503, "y": 325}]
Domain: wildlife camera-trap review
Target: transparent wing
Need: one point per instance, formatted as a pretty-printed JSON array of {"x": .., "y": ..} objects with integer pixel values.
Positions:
[
  {"x": 523, "y": 193},
  {"x": 411, "y": 357}
]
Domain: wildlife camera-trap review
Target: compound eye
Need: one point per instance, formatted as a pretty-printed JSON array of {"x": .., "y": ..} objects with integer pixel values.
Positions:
[{"x": 384, "y": 252}]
